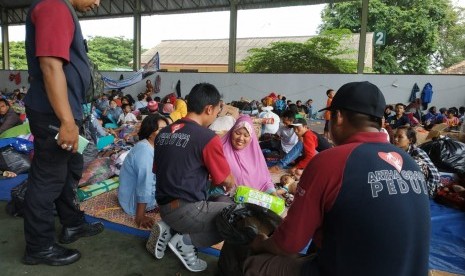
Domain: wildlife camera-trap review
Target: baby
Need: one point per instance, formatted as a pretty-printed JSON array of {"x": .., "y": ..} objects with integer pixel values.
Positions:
[{"x": 286, "y": 188}]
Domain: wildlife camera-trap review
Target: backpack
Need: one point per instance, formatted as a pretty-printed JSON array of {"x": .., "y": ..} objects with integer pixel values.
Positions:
[{"x": 97, "y": 85}]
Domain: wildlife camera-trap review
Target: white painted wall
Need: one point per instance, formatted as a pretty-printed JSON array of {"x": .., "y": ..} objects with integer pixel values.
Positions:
[{"x": 449, "y": 90}]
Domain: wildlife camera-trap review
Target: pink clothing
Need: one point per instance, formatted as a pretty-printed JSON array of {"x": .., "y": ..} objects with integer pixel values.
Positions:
[{"x": 248, "y": 165}]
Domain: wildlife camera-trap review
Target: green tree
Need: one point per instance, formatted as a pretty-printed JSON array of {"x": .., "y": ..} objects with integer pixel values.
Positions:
[
  {"x": 320, "y": 54},
  {"x": 110, "y": 53},
  {"x": 413, "y": 30},
  {"x": 17, "y": 55},
  {"x": 451, "y": 48}
]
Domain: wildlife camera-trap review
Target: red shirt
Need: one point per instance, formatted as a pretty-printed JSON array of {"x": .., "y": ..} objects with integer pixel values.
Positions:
[
  {"x": 54, "y": 29},
  {"x": 310, "y": 142},
  {"x": 215, "y": 161}
]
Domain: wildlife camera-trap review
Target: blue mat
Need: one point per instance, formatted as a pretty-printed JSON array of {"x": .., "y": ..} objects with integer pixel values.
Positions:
[
  {"x": 447, "y": 251},
  {"x": 7, "y": 184}
]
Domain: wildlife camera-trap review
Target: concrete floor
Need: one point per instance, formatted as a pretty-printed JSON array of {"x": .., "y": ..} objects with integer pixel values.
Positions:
[{"x": 109, "y": 253}]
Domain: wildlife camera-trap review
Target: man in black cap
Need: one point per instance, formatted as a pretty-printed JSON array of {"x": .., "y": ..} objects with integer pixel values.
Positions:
[{"x": 364, "y": 203}]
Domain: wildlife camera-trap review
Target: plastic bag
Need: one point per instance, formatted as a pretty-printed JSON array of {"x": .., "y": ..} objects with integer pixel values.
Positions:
[
  {"x": 238, "y": 224},
  {"x": 90, "y": 154},
  {"x": 22, "y": 145},
  {"x": 19, "y": 144},
  {"x": 447, "y": 154},
  {"x": 13, "y": 161},
  {"x": 97, "y": 170},
  {"x": 15, "y": 207},
  {"x": 246, "y": 194}
]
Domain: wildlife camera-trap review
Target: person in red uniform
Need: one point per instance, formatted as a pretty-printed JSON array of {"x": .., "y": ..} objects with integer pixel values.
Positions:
[{"x": 364, "y": 203}]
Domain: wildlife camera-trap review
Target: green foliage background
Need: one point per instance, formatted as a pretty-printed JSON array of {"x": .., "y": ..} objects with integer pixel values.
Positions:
[
  {"x": 320, "y": 54},
  {"x": 422, "y": 35},
  {"x": 109, "y": 53}
]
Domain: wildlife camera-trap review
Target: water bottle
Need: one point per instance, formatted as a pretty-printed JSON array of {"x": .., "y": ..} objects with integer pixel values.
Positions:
[{"x": 246, "y": 194}]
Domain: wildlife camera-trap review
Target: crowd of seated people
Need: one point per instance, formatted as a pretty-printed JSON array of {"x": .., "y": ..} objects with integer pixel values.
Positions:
[{"x": 284, "y": 128}]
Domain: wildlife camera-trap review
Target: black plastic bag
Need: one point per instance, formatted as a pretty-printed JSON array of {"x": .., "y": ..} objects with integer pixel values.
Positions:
[
  {"x": 238, "y": 224},
  {"x": 447, "y": 154},
  {"x": 89, "y": 154},
  {"x": 15, "y": 207},
  {"x": 13, "y": 161}
]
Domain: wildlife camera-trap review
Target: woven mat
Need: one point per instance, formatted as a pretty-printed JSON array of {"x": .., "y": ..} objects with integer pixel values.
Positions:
[{"x": 106, "y": 206}]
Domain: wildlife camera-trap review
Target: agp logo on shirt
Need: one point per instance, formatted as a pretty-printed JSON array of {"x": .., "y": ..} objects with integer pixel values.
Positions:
[
  {"x": 176, "y": 127},
  {"x": 392, "y": 158}
]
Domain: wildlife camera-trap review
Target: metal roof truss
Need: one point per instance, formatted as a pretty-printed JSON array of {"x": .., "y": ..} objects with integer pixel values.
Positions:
[{"x": 16, "y": 12}]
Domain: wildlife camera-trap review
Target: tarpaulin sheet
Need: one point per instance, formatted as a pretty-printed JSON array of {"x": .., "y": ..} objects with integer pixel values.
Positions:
[{"x": 447, "y": 250}]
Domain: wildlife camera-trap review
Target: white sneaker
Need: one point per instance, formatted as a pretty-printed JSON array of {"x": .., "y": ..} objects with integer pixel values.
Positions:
[
  {"x": 163, "y": 238},
  {"x": 187, "y": 254}
]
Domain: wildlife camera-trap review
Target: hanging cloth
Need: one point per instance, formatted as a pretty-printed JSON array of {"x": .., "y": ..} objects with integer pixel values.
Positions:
[
  {"x": 426, "y": 95},
  {"x": 413, "y": 94},
  {"x": 178, "y": 89}
]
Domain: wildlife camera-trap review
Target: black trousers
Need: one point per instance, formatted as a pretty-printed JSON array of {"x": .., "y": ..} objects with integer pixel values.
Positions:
[{"x": 52, "y": 183}]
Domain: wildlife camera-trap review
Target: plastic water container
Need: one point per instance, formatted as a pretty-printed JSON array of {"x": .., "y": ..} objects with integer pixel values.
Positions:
[{"x": 246, "y": 194}]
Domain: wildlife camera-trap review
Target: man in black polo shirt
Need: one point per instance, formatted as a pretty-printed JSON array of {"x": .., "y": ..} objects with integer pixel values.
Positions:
[{"x": 187, "y": 154}]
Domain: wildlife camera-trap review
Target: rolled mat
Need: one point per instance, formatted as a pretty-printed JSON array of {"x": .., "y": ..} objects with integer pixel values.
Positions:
[{"x": 93, "y": 190}]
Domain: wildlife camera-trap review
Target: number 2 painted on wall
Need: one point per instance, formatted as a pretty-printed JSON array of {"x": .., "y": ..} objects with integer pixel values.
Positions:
[{"x": 380, "y": 38}]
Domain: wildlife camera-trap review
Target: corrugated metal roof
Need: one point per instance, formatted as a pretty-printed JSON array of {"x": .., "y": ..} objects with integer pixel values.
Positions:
[
  {"x": 215, "y": 51},
  {"x": 16, "y": 10}
]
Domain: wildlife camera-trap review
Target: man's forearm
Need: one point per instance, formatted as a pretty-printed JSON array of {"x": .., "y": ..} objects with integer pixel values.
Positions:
[
  {"x": 262, "y": 244},
  {"x": 56, "y": 88}
]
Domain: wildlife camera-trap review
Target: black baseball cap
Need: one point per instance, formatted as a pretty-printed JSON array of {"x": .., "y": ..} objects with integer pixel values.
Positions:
[
  {"x": 360, "y": 97},
  {"x": 299, "y": 122}
]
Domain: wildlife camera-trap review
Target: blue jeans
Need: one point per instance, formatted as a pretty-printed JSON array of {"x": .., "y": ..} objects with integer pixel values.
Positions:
[{"x": 292, "y": 155}]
